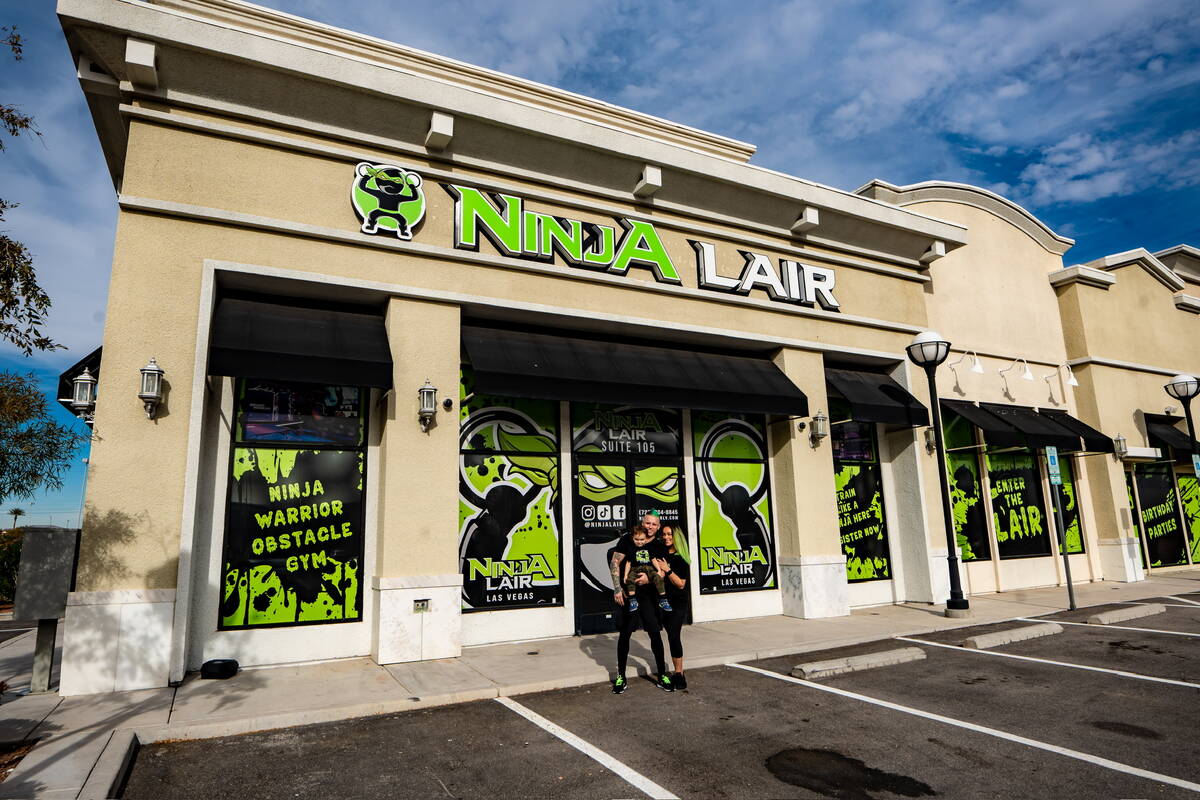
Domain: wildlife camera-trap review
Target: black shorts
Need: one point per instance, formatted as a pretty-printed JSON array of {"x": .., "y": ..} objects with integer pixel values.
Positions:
[{"x": 646, "y": 614}]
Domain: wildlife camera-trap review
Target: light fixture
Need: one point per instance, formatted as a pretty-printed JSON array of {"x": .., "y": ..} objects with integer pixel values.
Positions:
[
  {"x": 1183, "y": 388},
  {"x": 151, "y": 393},
  {"x": 83, "y": 395},
  {"x": 427, "y": 397},
  {"x": 976, "y": 367},
  {"x": 930, "y": 440},
  {"x": 928, "y": 349},
  {"x": 1071, "y": 381},
  {"x": 1120, "y": 447},
  {"x": 1027, "y": 374},
  {"x": 819, "y": 428}
]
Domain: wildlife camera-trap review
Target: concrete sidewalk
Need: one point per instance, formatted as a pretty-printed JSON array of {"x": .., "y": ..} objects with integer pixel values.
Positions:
[{"x": 75, "y": 733}]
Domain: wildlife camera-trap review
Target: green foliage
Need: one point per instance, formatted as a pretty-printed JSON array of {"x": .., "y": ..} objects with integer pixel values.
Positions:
[
  {"x": 10, "y": 559},
  {"x": 35, "y": 451}
]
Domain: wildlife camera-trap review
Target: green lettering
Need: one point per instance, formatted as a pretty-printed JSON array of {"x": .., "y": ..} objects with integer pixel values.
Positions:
[
  {"x": 475, "y": 214},
  {"x": 642, "y": 247}
]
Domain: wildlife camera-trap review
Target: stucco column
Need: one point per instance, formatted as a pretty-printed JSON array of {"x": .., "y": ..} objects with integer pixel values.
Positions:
[
  {"x": 812, "y": 567},
  {"x": 417, "y": 585},
  {"x": 1107, "y": 498}
]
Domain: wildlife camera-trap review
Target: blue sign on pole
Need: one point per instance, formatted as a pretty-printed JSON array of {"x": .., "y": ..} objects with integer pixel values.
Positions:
[{"x": 1052, "y": 465}]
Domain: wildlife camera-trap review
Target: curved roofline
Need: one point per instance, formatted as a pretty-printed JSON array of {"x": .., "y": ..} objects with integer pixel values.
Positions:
[{"x": 978, "y": 197}]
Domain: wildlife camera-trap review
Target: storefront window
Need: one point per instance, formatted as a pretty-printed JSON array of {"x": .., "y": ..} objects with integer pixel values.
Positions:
[
  {"x": 733, "y": 502},
  {"x": 859, "y": 486},
  {"x": 1017, "y": 508},
  {"x": 1133, "y": 514},
  {"x": 1160, "y": 515},
  {"x": 966, "y": 494},
  {"x": 1070, "y": 508},
  {"x": 1189, "y": 496},
  {"x": 508, "y": 501},
  {"x": 293, "y": 534}
]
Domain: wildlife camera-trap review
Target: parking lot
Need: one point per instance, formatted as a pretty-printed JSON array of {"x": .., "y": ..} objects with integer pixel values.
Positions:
[{"x": 1093, "y": 711}]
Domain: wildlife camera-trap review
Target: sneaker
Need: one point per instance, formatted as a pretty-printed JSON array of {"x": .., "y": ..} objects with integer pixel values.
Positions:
[
  {"x": 679, "y": 681},
  {"x": 664, "y": 604},
  {"x": 620, "y": 685},
  {"x": 664, "y": 683},
  {"x": 633, "y": 604}
]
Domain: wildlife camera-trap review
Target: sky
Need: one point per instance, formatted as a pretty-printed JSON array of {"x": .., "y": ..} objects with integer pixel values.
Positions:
[{"x": 1085, "y": 113}]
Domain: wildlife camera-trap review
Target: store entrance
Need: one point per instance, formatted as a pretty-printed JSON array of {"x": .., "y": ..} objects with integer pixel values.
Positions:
[{"x": 611, "y": 495}]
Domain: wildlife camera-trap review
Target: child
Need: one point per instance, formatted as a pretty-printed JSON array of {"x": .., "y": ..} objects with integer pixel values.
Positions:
[{"x": 640, "y": 549}]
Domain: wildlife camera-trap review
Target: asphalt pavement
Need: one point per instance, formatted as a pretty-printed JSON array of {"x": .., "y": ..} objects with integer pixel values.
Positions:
[{"x": 1094, "y": 711}]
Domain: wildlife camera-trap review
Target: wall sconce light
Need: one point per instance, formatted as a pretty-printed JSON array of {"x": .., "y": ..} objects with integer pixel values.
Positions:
[
  {"x": 151, "y": 393},
  {"x": 427, "y": 396},
  {"x": 930, "y": 439},
  {"x": 819, "y": 428},
  {"x": 1120, "y": 447},
  {"x": 1027, "y": 374},
  {"x": 976, "y": 367},
  {"x": 83, "y": 396},
  {"x": 1070, "y": 376}
]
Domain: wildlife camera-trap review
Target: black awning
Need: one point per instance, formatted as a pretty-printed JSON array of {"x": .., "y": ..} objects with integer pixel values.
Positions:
[
  {"x": 995, "y": 430},
  {"x": 518, "y": 364},
  {"x": 876, "y": 398},
  {"x": 1093, "y": 440},
  {"x": 1038, "y": 430},
  {"x": 252, "y": 339},
  {"x": 1163, "y": 433}
]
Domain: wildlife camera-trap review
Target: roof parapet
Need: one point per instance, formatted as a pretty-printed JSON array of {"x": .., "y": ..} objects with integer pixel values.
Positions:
[{"x": 951, "y": 192}]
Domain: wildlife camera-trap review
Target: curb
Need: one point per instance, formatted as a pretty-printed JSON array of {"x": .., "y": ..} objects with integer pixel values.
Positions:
[
  {"x": 1123, "y": 614},
  {"x": 840, "y": 666},
  {"x": 985, "y": 640}
]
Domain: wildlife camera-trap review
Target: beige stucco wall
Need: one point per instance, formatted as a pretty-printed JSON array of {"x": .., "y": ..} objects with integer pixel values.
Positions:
[
  {"x": 138, "y": 479},
  {"x": 992, "y": 296},
  {"x": 1133, "y": 320}
]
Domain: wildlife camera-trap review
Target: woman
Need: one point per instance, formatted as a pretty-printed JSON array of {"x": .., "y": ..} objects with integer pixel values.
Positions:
[{"x": 676, "y": 572}]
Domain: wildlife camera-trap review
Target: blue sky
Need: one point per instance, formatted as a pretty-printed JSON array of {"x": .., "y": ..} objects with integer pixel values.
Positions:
[{"x": 1086, "y": 112}]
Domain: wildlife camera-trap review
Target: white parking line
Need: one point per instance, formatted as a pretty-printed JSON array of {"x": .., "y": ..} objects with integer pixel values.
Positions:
[
  {"x": 643, "y": 783},
  {"x": 1181, "y": 599},
  {"x": 1121, "y": 673},
  {"x": 1116, "y": 766},
  {"x": 1164, "y": 605},
  {"x": 1112, "y": 627}
]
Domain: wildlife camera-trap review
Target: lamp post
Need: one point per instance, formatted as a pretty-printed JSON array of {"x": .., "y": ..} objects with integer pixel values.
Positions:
[
  {"x": 928, "y": 350},
  {"x": 1183, "y": 388}
]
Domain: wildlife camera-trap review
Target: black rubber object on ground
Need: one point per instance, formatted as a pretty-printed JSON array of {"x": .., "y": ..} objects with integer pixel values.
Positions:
[{"x": 219, "y": 668}]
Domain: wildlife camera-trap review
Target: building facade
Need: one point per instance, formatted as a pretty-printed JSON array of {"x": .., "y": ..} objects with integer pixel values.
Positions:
[{"x": 434, "y": 336}]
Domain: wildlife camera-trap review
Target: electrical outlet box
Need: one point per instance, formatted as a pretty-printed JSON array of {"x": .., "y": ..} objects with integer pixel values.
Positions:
[{"x": 420, "y": 606}]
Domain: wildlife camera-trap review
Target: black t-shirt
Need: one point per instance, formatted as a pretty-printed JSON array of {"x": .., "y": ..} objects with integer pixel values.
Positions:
[
  {"x": 639, "y": 556},
  {"x": 684, "y": 571}
]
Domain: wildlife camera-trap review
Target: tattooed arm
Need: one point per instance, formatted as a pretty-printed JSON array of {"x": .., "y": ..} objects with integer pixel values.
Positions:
[{"x": 614, "y": 566}]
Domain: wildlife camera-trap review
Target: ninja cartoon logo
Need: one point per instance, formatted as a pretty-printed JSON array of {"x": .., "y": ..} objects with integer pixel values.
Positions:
[{"x": 387, "y": 198}]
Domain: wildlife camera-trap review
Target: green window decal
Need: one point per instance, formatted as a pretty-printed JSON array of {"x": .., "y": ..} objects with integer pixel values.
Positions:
[
  {"x": 966, "y": 492},
  {"x": 1189, "y": 494},
  {"x": 293, "y": 545},
  {"x": 508, "y": 509},
  {"x": 1070, "y": 508},
  {"x": 859, "y": 486},
  {"x": 736, "y": 540},
  {"x": 1017, "y": 508},
  {"x": 293, "y": 538},
  {"x": 1160, "y": 515}
]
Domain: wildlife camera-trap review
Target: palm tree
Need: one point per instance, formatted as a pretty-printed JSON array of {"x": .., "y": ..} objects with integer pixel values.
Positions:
[{"x": 16, "y": 512}]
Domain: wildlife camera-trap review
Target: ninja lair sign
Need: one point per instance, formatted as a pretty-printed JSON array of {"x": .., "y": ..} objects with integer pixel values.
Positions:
[{"x": 389, "y": 200}]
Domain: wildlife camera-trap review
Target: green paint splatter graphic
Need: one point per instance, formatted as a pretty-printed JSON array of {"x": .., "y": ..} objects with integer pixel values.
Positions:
[{"x": 293, "y": 545}]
